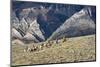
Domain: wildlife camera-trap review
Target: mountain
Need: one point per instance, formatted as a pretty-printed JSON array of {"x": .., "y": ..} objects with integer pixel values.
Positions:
[
  {"x": 78, "y": 24},
  {"x": 39, "y": 21}
]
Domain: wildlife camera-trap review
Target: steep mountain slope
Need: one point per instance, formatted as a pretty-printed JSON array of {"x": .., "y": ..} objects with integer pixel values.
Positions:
[{"x": 79, "y": 24}]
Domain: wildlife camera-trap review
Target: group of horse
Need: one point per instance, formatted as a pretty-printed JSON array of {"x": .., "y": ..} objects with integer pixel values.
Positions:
[{"x": 41, "y": 46}]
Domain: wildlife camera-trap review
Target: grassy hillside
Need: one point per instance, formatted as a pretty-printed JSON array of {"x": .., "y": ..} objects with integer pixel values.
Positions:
[{"x": 72, "y": 50}]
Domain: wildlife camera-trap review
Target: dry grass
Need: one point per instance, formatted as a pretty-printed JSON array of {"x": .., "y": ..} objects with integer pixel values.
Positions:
[{"x": 72, "y": 50}]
